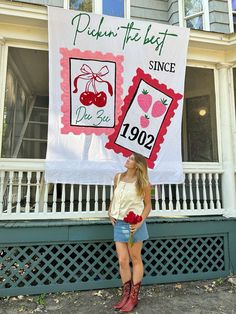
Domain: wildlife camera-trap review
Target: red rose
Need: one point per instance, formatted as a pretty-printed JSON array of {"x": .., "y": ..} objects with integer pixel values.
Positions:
[{"x": 132, "y": 219}]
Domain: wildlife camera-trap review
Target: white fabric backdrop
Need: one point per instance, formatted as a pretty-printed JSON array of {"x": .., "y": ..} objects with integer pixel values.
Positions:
[{"x": 83, "y": 159}]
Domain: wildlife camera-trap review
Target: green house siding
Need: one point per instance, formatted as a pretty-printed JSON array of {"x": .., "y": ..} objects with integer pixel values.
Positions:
[
  {"x": 150, "y": 10},
  {"x": 49, "y": 256},
  {"x": 173, "y": 12},
  {"x": 219, "y": 16},
  {"x": 55, "y": 3},
  {"x": 164, "y": 11}
]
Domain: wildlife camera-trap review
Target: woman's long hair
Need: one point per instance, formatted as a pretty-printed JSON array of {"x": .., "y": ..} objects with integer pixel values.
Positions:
[{"x": 142, "y": 173}]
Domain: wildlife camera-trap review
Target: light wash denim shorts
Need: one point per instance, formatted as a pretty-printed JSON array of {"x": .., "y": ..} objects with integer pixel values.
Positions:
[{"x": 122, "y": 232}]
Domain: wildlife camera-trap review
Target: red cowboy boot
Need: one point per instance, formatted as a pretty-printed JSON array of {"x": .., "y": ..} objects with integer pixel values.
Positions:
[
  {"x": 125, "y": 296},
  {"x": 133, "y": 298}
]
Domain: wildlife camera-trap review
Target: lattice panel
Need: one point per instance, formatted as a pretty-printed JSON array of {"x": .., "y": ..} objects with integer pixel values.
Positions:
[
  {"x": 57, "y": 264},
  {"x": 184, "y": 256},
  {"x": 65, "y": 264}
]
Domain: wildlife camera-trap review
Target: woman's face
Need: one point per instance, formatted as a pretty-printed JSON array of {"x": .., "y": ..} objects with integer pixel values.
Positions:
[{"x": 130, "y": 162}]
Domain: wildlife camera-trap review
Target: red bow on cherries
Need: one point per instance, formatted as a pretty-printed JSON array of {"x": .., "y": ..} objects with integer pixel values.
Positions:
[{"x": 87, "y": 97}]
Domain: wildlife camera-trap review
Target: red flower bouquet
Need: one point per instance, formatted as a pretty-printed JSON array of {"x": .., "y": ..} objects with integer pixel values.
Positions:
[{"x": 132, "y": 219}]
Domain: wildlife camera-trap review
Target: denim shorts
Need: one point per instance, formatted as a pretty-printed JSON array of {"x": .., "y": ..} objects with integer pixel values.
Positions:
[{"x": 122, "y": 232}]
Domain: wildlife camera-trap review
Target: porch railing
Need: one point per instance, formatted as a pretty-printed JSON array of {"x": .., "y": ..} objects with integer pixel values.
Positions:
[{"x": 25, "y": 195}]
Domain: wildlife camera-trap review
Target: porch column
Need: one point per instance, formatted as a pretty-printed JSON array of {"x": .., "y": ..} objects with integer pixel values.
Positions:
[
  {"x": 227, "y": 140},
  {"x": 3, "y": 70}
]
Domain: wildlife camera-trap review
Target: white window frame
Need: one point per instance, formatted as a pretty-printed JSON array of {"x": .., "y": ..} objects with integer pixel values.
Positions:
[
  {"x": 211, "y": 164},
  {"x": 231, "y": 14},
  {"x": 97, "y": 7},
  {"x": 204, "y": 13}
]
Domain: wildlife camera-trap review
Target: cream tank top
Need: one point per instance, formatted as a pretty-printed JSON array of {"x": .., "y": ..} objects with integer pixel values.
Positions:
[{"x": 125, "y": 199}]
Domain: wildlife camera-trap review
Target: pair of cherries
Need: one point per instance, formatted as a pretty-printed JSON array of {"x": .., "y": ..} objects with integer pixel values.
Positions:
[{"x": 98, "y": 99}]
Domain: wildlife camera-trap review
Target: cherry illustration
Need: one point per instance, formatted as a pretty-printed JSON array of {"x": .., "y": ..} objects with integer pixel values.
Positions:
[
  {"x": 87, "y": 98},
  {"x": 100, "y": 99}
]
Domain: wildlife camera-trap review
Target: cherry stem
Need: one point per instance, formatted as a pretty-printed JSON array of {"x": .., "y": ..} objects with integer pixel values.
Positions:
[
  {"x": 87, "y": 86},
  {"x": 94, "y": 86}
]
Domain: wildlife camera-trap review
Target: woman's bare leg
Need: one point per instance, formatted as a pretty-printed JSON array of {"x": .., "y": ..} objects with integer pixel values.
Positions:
[
  {"x": 136, "y": 258},
  {"x": 123, "y": 257}
]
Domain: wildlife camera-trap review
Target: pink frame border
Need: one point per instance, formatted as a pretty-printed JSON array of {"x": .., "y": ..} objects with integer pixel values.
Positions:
[
  {"x": 140, "y": 75},
  {"x": 65, "y": 88}
]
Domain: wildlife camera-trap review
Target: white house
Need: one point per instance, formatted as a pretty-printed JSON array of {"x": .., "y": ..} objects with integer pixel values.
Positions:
[{"x": 208, "y": 134}]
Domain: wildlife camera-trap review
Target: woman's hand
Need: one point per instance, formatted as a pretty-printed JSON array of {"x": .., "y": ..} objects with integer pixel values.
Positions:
[
  {"x": 134, "y": 228},
  {"x": 112, "y": 220}
]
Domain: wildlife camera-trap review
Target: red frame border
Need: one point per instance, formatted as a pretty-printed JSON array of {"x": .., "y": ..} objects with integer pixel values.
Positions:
[
  {"x": 140, "y": 75},
  {"x": 65, "y": 89}
]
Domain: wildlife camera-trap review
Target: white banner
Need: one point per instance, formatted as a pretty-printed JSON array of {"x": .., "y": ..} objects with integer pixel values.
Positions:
[{"x": 115, "y": 87}]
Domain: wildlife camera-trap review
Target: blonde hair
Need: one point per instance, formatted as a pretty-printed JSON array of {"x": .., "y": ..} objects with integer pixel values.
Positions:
[{"x": 142, "y": 173}]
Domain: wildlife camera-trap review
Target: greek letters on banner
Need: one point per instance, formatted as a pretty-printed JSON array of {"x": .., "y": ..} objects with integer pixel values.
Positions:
[{"x": 115, "y": 87}]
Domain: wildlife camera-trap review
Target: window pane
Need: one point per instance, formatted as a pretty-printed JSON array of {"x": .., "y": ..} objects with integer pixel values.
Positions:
[
  {"x": 234, "y": 5},
  {"x": 31, "y": 149},
  {"x": 9, "y": 113},
  {"x": 234, "y": 21},
  {"x": 200, "y": 133},
  {"x": 24, "y": 134},
  {"x": 82, "y": 5},
  {"x": 192, "y": 7},
  {"x": 113, "y": 7},
  {"x": 36, "y": 131},
  {"x": 196, "y": 22}
]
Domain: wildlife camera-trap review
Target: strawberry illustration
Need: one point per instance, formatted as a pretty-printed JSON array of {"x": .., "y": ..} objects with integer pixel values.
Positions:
[
  {"x": 144, "y": 121},
  {"x": 159, "y": 108},
  {"x": 145, "y": 100}
]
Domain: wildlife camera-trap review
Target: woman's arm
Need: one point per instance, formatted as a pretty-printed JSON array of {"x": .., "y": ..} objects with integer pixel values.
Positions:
[
  {"x": 113, "y": 220},
  {"x": 146, "y": 210},
  {"x": 147, "y": 202}
]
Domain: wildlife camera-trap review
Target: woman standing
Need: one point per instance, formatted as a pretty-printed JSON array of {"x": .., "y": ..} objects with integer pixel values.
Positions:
[{"x": 132, "y": 193}]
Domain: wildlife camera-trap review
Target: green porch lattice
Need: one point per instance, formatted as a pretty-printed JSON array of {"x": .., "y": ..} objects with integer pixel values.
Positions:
[{"x": 85, "y": 265}]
